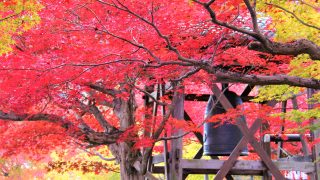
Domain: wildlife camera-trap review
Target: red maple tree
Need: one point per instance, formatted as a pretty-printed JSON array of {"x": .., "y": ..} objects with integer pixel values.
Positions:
[{"x": 80, "y": 75}]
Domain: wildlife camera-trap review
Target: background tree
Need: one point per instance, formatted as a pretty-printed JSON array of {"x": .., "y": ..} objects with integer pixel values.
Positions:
[{"x": 82, "y": 71}]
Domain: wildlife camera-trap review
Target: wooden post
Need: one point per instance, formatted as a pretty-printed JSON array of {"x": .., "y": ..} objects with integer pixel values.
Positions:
[
  {"x": 147, "y": 133},
  {"x": 175, "y": 169},
  {"x": 266, "y": 145},
  {"x": 315, "y": 134}
]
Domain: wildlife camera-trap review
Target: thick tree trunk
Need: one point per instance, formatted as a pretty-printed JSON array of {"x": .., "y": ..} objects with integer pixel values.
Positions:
[
  {"x": 127, "y": 171},
  {"x": 125, "y": 110}
]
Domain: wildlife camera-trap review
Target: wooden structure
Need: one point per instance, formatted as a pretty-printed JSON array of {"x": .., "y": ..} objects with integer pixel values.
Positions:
[{"x": 177, "y": 168}]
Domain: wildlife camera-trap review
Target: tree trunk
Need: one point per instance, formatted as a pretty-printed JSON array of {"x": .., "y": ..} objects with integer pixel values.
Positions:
[
  {"x": 128, "y": 156},
  {"x": 125, "y": 109}
]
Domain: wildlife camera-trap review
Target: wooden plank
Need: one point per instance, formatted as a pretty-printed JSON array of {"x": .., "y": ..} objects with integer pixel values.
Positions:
[
  {"x": 156, "y": 159},
  {"x": 197, "y": 97},
  {"x": 266, "y": 146},
  {"x": 150, "y": 176},
  {"x": 212, "y": 166},
  {"x": 217, "y": 164},
  {"x": 226, "y": 105},
  {"x": 305, "y": 147},
  {"x": 197, "y": 134},
  {"x": 314, "y": 135},
  {"x": 247, "y": 90},
  {"x": 147, "y": 133},
  {"x": 205, "y": 97},
  {"x": 175, "y": 170},
  {"x": 199, "y": 154},
  {"x": 306, "y": 167},
  {"x": 236, "y": 152},
  {"x": 221, "y": 97},
  {"x": 165, "y": 142},
  {"x": 243, "y": 167},
  {"x": 262, "y": 154}
]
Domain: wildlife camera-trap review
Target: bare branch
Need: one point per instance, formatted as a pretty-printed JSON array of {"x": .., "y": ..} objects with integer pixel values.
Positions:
[
  {"x": 100, "y": 118},
  {"x": 111, "y": 92},
  {"x": 119, "y": 37},
  {"x": 188, "y": 74},
  {"x": 210, "y": 2},
  {"x": 90, "y": 135},
  {"x": 310, "y": 5},
  {"x": 31, "y": 117},
  {"x": 225, "y": 24},
  {"x": 227, "y": 76},
  {"x": 150, "y": 95},
  {"x": 95, "y": 153},
  {"x": 264, "y": 44},
  {"x": 253, "y": 16},
  {"x": 168, "y": 63},
  {"x": 164, "y": 37},
  {"x": 302, "y": 46},
  {"x": 294, "y": 15},
  {"x": 10, "y": 16}
]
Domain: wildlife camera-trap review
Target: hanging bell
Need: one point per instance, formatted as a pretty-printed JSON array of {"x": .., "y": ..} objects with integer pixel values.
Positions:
[{"x": 220, "y": 140}]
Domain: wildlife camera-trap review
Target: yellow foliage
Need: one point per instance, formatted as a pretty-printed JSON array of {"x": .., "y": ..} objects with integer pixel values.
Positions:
[
  {"x": 16, "y": 17},
  {"x": 300, "y": 66},
  {"x": 288, "y": 28},
  {"x": 303, "y": 66}
]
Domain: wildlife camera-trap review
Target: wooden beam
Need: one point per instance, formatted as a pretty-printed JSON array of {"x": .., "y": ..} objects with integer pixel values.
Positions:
[
  {"x": 266, "y": 146},
  {"x": 236, "y": 152},
  {"x": 306, "y": 167},
  {"x": 197, "y": 97},
  {"x": 150, "y": 176},
  {"x": 175, "y": 170},
  {"x": 197, "y": 134},
  {"x": 156, "y": 159},
  {"x": 247, "y": 90},
  {"x": 221, "y": 97},
  {"x": 199, "y": 154},
  {"x": 262, "y": 154},
  {"x": 241, "y": 167},
  {"x": 213, "y": 166},
  {"x": 315, "y": 134}
]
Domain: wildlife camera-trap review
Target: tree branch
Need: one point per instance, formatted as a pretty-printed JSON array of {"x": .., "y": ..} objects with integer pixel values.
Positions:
[
  {"x": 111, "y": 92},
  {"x": 188, "y": 74},
  {"x": 32, "y": 117},
  {"x": 263, "y": 44},
  {"x": 91, "y": 136},
  {"x": 95, "y": 153},
  {"x": 294, "y": 15},
  {"x": 253, "y": 16},
  {"x": 10, "y": 16},
  {"x": 100, "y": 118},
  {"x": 302, "y": 46},
  {"x": 150, "y": 95},
  {"x": 229, "y": 77},
  {"x": 124, "y": 8}
]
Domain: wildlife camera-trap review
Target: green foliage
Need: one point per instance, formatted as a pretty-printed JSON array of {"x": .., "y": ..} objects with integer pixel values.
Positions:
[
  {"x": 300, "y": 66},
  {"x": 315, "y": 98},
  {"x": 16, "y": 17},
  {"x": 303, "y": 66},
  {"x": 301, "y": 116},
  {"x": 276, "y": 92}
]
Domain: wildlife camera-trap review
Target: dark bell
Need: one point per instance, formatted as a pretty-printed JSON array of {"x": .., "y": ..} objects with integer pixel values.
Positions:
[{"x": 220, "y": 140}]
